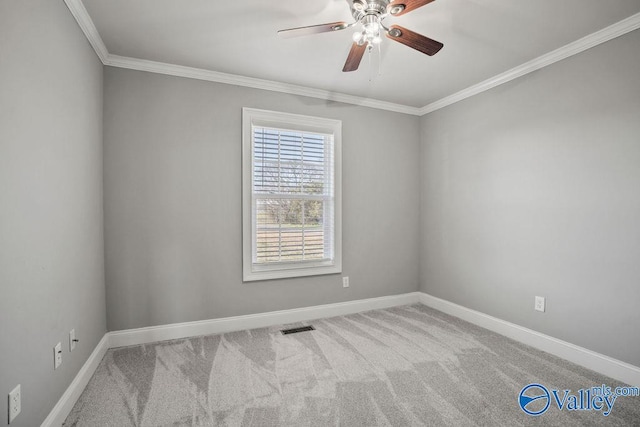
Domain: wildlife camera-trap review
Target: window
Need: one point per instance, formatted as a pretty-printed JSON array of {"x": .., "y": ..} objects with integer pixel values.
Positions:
[{"x": 291, "y": 195}]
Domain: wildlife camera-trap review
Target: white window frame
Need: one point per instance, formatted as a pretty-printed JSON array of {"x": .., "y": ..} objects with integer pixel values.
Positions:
[{"x": 262, "y": 118}]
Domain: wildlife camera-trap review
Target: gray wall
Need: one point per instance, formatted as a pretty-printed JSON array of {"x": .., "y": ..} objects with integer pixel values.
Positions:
[
  {"x": 51, "y": 228},
  {"x": 533, "y": 188},
  {"x": 528, "y": 189},
  {"x": 173, "y": 220}
]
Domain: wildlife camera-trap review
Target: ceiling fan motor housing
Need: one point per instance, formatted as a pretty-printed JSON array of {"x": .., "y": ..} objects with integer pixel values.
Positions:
[{"x": 362, "y": 8}]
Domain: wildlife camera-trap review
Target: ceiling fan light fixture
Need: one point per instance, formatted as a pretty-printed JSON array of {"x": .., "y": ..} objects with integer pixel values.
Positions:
[
  {"x": 371, "y": 27},
  {"x": 371, "y": 24},
  {"x": 369, "y": 16}
]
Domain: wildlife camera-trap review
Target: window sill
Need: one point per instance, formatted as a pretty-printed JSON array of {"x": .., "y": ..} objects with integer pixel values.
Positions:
[{"x": 251, "y": 275}]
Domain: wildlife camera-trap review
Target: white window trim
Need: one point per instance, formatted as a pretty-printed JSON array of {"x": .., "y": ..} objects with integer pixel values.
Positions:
[{"x": 255, "y": 117}]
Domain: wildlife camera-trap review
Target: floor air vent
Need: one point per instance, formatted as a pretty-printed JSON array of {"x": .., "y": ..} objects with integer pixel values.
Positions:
[{"x": 296, "y": 330}]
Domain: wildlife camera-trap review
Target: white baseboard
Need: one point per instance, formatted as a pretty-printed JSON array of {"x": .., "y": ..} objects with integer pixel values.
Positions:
[
  {"x": 64, "y": 406},
  {"x": 252, "y": 321},
  {"x": 600, "y": 363},
  {"x": 605, "y": 365},
  {"x": 205, "y": 327}
]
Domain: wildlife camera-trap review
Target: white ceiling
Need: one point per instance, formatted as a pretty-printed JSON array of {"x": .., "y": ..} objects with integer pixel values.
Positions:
[{"x": 482, "y": 39}]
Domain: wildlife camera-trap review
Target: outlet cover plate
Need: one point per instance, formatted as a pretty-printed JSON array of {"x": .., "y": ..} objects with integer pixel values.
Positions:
[
  {"x": 15, "y": 403},
  {"x": 57, "y": 356},
  {"x": 72, "y": 340},
  {"x": 345, "y": 282},
  {"x": 539, "y": 305}
]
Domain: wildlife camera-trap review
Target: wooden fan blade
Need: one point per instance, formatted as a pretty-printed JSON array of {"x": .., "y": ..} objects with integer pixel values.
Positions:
[
  {"x": 409, "y": 5},
  {"x": 414, "y": 40},
  {"x": 355, "y": 56},
  {"x": 313, "y": 29}
]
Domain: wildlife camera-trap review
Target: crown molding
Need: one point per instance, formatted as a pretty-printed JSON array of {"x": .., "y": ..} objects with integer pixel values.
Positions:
[
  {"x": 232, "y": 79},
  {"x": 85, "y": 22},
  {"x": 616, "y": 30},
  {"x": 79, "y": 12}
]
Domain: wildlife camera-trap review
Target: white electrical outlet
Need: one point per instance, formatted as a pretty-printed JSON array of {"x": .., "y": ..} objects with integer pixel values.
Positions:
[
  {"x": 15, "y": 405},
  {"x": 72, "y": 340},
  {"x": 539, "y": 306},
  {"x": 57, "y": 355},
  {"x": 345, "y": 282}
]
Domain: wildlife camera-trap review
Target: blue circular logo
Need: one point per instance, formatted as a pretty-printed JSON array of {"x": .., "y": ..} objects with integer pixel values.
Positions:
[{"x": 534, "y": 399}]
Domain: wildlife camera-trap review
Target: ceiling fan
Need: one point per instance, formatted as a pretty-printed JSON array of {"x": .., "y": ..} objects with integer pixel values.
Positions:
[{"x": 371, "y": 14}]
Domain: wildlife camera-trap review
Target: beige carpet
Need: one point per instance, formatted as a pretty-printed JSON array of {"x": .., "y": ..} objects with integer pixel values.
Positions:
[{"x": 405, "y": 366}]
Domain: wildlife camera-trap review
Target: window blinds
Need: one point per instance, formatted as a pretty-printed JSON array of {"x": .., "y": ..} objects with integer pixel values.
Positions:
[{"x": 292, "y": 196}]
